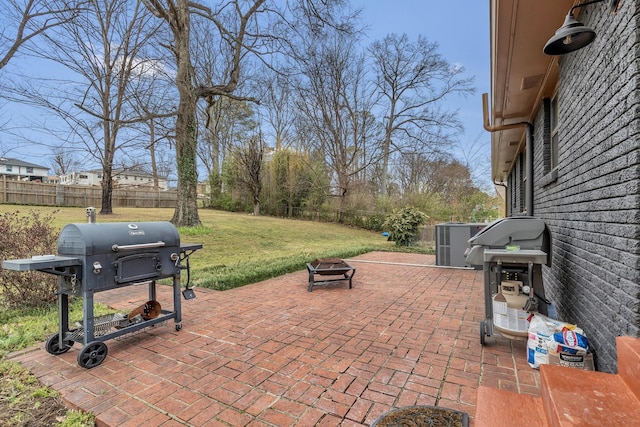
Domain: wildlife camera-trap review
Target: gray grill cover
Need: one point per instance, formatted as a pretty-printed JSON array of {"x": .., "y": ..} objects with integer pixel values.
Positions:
[
  {"x": 525, "y": 231},
  {"x": 529, "y": 233}
]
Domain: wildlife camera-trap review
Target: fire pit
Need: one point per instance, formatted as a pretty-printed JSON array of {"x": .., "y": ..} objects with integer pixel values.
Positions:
[
  {"x": 329, "y": 267},
  {"x": 98, "y": 257}
]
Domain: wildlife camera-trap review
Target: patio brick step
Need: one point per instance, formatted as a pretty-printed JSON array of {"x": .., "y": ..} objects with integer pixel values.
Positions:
[
  {"x": 571, "y": 397},
  {"x": 629, "y": 362},
  {"x": 574, "y": 397},
  {"x": 497, "y": 407}
]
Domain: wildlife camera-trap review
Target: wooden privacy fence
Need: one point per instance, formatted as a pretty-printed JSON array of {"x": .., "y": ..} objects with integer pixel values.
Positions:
[{"x": 34, "y": 193}]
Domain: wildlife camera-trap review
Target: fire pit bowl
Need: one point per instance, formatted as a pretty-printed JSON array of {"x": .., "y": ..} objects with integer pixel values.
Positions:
[{"x": 329, "y": 267}]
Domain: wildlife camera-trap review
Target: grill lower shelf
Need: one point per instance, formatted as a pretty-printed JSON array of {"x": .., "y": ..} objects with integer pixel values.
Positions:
[
  {"x": 114, "y": 325},
  {"x": 101, "y": 326}
]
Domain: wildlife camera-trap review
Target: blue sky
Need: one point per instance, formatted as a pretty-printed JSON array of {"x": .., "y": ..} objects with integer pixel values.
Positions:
[{"x": 461, "y": 29}]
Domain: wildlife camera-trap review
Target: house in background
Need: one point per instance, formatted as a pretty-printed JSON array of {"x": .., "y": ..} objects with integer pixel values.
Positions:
[
  {"x": 90, "y": 178},
  {"x": 22, "y": 171},
  {"x": 122, "y": 178},
  {"x": 565, "y": 143}
]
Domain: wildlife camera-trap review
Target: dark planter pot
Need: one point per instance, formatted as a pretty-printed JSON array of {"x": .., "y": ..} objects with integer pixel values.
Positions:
[{"x": 431, "y": 416}]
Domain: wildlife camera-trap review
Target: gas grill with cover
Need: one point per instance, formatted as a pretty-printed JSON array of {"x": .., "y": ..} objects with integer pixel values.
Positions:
[
  {"x": 96, "y": 257},
  {"x": 512, "y": 251}
]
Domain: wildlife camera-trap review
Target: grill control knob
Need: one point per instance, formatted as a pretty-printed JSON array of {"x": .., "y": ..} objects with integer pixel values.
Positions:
[{"x": 97, "y": 267}]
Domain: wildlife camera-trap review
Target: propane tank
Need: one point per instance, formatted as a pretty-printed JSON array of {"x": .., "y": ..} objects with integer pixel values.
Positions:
[{"x": 509, "y": 318}]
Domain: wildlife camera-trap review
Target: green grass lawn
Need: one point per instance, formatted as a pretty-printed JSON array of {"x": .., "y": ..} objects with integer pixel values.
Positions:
[{"x": 239, "y": 248}]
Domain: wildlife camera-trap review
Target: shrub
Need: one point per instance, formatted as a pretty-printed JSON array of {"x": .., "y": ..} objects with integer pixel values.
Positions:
[
  {"x": 226, "y": 202},
  {"x": 22, "y": 237},
  {"x": 375, "y": 222},
  {"x": 403, "y": 225}
]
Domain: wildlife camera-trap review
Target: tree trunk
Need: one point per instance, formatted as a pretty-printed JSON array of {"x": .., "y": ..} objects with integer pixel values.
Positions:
[
  {"x": 152, "y": 153},
  {"x": 107, "y": 169},
  {"x": 215, "y": 178},
  {"x": 107, "y": 190},
  {"x": 385, "y": 166},
  {"x": 342, "y": 202},
  {"x": 186, "y": 212},
  {"x": 256, "y": 205}
]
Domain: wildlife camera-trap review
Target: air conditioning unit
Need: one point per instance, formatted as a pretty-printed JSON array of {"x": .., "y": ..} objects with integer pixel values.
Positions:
[{"x": 452, "y": 239}]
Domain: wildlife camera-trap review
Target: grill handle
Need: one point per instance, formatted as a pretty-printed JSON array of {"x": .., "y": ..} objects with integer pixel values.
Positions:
[{"x": 116, "y": 248}]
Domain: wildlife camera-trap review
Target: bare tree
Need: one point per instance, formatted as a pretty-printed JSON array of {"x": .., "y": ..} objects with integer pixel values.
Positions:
[
  {"x": 477, "y": 159},
  {"x": 229, "y": 123},
  {"x": 21, "y": 21},
  {"x": 154, "y": 140},
  {"x": 279, "y": 110},
  {"x": 447, "y": 177},
  {"x": 246, "y": 29},
  {"x": 63, "y": 161},
  {"x": 249, "y": 159},
  {"x": 177, "y": 15},
  {"x": 334, "y": 103},
  {"x": 102, "y": 52},
  {"x": 413, "y": 79},
  {"x": 149, "y": 100}
]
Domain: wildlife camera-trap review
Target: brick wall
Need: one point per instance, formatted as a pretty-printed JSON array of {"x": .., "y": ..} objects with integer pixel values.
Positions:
[{"x": 593, "y": 206}]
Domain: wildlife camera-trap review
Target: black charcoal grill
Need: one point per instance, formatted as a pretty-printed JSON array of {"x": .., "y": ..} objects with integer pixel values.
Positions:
[{"x": 96, "y": 257}]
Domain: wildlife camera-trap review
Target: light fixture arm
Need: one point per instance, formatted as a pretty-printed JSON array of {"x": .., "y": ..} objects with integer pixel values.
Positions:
[
  {"x": 613, "y": 5},
  {"x": 586, "y": 3}
]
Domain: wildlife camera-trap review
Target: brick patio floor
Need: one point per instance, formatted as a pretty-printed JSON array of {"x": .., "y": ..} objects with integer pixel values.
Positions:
[{"x": 274, "y": 354}]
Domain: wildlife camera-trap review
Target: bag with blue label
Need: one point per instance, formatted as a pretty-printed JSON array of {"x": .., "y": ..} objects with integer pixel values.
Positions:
[
  {"x": 570, "y": 349},
  {"x": 541, "y": 331},
  {"x": 569, "y": 342}
]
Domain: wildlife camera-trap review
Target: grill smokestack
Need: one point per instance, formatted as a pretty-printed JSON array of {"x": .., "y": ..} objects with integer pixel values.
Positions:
[{"x": 91, "y": 215}]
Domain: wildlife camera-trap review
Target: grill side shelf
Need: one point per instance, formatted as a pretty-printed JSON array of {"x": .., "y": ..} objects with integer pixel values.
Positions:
[
  {"x": 44, "y": 265},
  {"x": 186, "y": 249},
  {"x": 190, "y": 247}
]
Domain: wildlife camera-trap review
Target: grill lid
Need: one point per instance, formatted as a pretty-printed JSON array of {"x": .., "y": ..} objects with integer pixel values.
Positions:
[
  {"x": 101, "y": 238},
  {"x": 526, "y": 232}
]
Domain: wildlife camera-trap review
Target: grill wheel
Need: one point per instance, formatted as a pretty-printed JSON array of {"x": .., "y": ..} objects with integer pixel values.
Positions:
[
  {"x": 92, "y": 354},
  {"x": 53, "y": 345}
]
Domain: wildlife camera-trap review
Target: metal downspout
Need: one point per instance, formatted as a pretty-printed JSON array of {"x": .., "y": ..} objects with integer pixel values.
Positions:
[
  {"x": 528, "y": 148},
  {"x": 528, "y": 202}
]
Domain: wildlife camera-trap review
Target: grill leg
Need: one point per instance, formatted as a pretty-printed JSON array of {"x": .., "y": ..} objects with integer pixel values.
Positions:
[
  {"x": 152, "y": 290},
  {"x": 176, "y": 302},
  {"x": 87, "y": 308},
  {"x": 63, "y": 315}
]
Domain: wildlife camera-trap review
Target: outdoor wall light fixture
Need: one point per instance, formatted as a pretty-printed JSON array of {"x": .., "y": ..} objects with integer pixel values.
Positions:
[{"x": 574, "y": 35}]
